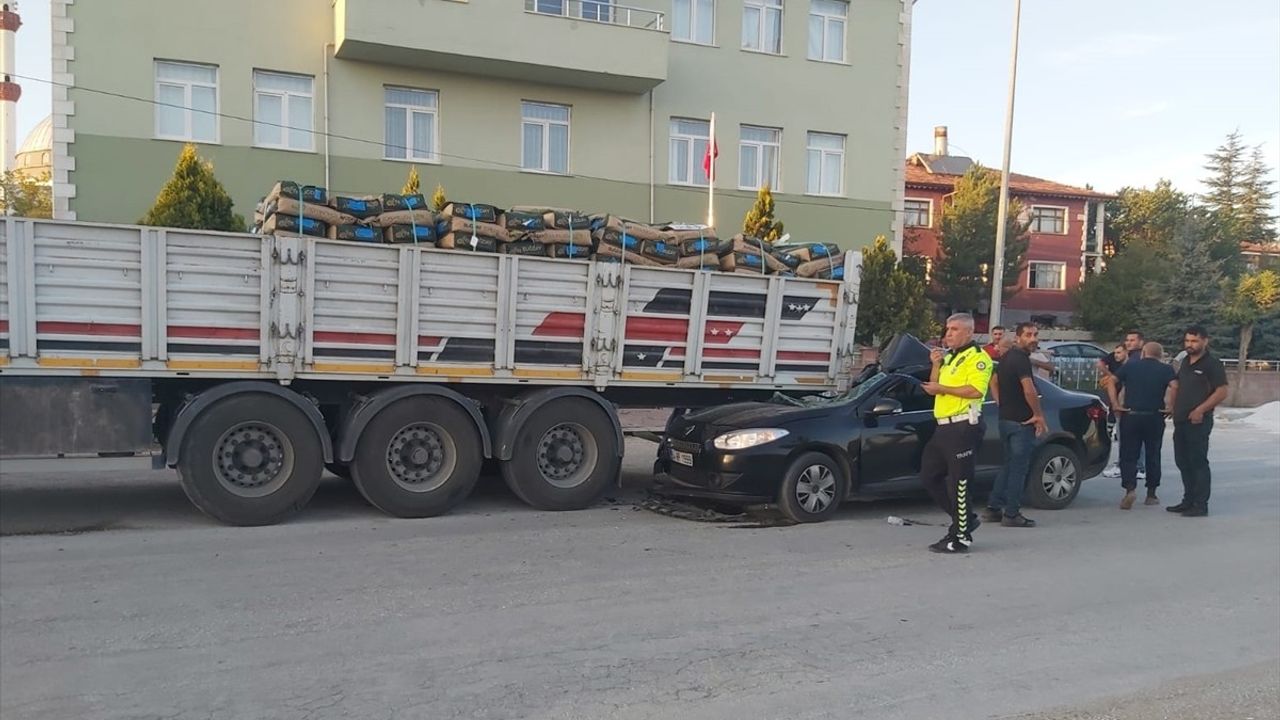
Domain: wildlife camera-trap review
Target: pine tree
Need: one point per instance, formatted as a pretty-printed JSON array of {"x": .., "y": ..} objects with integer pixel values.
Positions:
[
  {"x": 193, "y": 198},
  {"x": 411, "y": 184},
  {"x": 438, "y": 200},
  {"x": 1255, "y": 199},
  {"x": 760, "y": 222},
  {"x": 892, "y": 300},
  {"x": 1191, "y": 293},
  {"x": 1225, "y": 200},
  {"x": 966, "y": 242}
]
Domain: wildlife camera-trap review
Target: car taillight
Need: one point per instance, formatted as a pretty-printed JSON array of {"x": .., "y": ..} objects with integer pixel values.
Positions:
[{"x": 1096, "y": 412}]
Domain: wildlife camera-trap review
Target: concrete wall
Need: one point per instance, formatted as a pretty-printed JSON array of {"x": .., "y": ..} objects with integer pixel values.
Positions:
[
  {"x": 1259, "y": 388},
  {"x": 119, "y": 167}
]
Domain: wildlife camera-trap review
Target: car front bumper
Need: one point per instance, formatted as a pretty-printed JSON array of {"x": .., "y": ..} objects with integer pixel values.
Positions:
[{"x": 752, "y": 475}]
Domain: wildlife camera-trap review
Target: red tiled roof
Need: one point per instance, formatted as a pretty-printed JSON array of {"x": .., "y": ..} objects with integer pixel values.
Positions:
[
  {"x": 1018, "y": 184},
  {"x": 1260, "y": 248}
]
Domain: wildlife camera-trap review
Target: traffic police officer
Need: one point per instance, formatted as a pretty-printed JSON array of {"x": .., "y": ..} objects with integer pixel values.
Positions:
[{"x": 959, "y": 380}]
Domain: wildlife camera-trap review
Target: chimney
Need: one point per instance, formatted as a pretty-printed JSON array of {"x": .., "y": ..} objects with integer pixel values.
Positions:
[{"x": 940, "y": 140}]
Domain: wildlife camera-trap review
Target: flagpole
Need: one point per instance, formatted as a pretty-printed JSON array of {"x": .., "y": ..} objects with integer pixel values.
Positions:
[{"x": 711, "y": 175}]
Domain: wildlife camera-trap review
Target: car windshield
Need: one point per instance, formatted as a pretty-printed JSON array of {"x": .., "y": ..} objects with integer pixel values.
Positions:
[{"x": 854, "y": 393}]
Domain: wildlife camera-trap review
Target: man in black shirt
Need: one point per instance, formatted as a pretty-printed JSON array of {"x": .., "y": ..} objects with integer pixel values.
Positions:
[
  {"x": 1021, "y": 420},
  {"x": 1202, "y": 384},
  {"x": 1146, "y": 383}
]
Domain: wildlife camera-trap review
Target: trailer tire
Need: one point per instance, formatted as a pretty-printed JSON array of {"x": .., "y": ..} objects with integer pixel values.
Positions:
[
  {"x": 251, "y": 459},
  {"x": 418, "y": 457},
  {"x": 564, "y": 456}
]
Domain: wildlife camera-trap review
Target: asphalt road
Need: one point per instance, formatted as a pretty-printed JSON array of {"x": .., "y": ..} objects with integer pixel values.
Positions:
[{"x": 117, "y": 600}]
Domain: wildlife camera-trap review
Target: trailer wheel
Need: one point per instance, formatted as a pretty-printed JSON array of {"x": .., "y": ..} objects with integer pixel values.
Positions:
[
  {"x": 418, "y": 457},
  {"x": 251, "y": 459},
  {"x": 564, "y": 456}
]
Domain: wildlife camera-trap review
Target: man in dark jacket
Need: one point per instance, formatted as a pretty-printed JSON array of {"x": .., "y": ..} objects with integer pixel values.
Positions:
[
  {"x": 1149, "y": 389},
  {"x": 1202, "y": 384}
]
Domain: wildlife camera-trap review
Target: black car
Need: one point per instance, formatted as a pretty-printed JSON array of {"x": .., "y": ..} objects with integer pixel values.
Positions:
[{"x": 809, "y": 454}]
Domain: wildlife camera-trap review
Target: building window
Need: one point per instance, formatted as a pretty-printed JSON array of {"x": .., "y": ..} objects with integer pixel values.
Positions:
[
  {"x": 283, "y": 111},
  {"x": 694, "y": 21},
  {"x": 762, "y": 26},
  {"x": 1046, "y": 275},
  {"x": 825, "y": 164},
  {"x": 827, "y": 20},
  {"x": 186, "y": 102},
  {"x": 1050, "y": 220},
  {"x": 918, "y": 213},
  {"x": 689, "y": 140},
  {"x": 412, "y": 124},
  {"x": 758, "y": 152},
  {"x": 545, "y": 138}
]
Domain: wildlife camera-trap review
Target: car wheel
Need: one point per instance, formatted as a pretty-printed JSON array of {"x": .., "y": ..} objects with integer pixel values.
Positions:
[
  {"x": 812, "y": 488},
  {"x": 1055, "y": 477}
]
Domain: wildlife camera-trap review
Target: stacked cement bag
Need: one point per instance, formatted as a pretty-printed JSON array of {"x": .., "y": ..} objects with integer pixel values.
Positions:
[
  {"x": 823, "y": 261},
  {"x": 547, "y": 232},
  {"x": 293, "y": 209},
  {"x": 700, "y": 246},
  {"x": 405, "y": 220},
  {"x": 626, "y": 241},
  {"x": 753, "y": 256}
]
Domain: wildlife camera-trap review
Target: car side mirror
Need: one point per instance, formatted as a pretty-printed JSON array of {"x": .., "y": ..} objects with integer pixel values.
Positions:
[{"x": 886, "y": 406}]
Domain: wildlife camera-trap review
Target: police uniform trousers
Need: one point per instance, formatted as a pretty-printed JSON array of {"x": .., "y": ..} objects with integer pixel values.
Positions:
[{"x": 947, "y": 470}]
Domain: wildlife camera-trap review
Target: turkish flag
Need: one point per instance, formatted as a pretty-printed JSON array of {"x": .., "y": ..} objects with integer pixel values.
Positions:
[{"x": 709, "y": 159}]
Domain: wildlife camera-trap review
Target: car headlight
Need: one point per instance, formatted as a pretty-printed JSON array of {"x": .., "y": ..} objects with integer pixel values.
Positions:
[{"x": 742, "y": 439}]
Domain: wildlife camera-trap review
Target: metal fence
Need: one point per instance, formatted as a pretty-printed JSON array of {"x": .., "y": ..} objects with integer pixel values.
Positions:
[{"x": 601, "y": 11}]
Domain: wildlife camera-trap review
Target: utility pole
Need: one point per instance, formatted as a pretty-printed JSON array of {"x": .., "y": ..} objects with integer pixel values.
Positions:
[{"x": 997, "y": 277}]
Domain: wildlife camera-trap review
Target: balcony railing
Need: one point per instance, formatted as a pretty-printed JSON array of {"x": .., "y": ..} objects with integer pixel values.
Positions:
[{"x": 601, "y": 11}]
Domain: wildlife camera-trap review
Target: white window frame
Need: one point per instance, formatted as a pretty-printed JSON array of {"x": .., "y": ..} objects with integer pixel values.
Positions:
[
  {"x": 188, "y": 111},
  {"x": 693, "y": 24},
  {"x": 844, "y": 32},
  {"x": 1062, "y": 274},
  {"x": 546, "y": 138},
  {"x": 927, "y": 201},
  {"x": 761, "y": 179},
  {"x": 286, "y": 121},
  {"x": 433, "y": 157},
  {"x": 824, "y": 154},
  {"x": 765, "y": 7},
  {"x": 695, "y": 160},
  {"x": 1032, "y": 217}
]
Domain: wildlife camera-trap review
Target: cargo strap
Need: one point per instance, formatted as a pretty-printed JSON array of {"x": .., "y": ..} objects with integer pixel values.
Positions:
[{"x": 475, "y": 241}]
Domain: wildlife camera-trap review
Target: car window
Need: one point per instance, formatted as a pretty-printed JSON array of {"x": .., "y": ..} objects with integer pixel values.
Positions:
[
  {"x": 1066, "y": 351},
  {"x": 1092, "y": 352},
  {"x": 911, "y": 395}
]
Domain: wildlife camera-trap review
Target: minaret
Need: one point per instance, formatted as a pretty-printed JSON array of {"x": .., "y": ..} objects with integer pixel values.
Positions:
[{"x": 9, "y": 91}]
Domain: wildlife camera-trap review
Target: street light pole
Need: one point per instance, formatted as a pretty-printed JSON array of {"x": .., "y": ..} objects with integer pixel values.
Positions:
[{"x": 997, "y": 276}]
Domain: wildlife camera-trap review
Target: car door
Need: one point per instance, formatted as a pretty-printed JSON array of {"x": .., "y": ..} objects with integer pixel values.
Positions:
[
  {"x": 891, "y": 445},
  {"x": 991, "y": 449}
]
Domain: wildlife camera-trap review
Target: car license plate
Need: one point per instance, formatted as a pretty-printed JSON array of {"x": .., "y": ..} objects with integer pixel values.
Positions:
[{"x": 683, "y": 458}]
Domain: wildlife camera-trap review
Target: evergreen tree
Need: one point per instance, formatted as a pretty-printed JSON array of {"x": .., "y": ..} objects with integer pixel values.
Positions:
[
  {"x": 438, "y": 200},
  {"x": 1191, "y": 293},
  {"x": 193, "y": 198},
  {"x": 1124, "y": 293},
  {"x": 891, "y": 300},
  {"x": 966, "y": 242},
  {"x": 1255, "y": 199},
  {"x": 760, "y": 222},
  {"x": 411, "y": 184}
]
